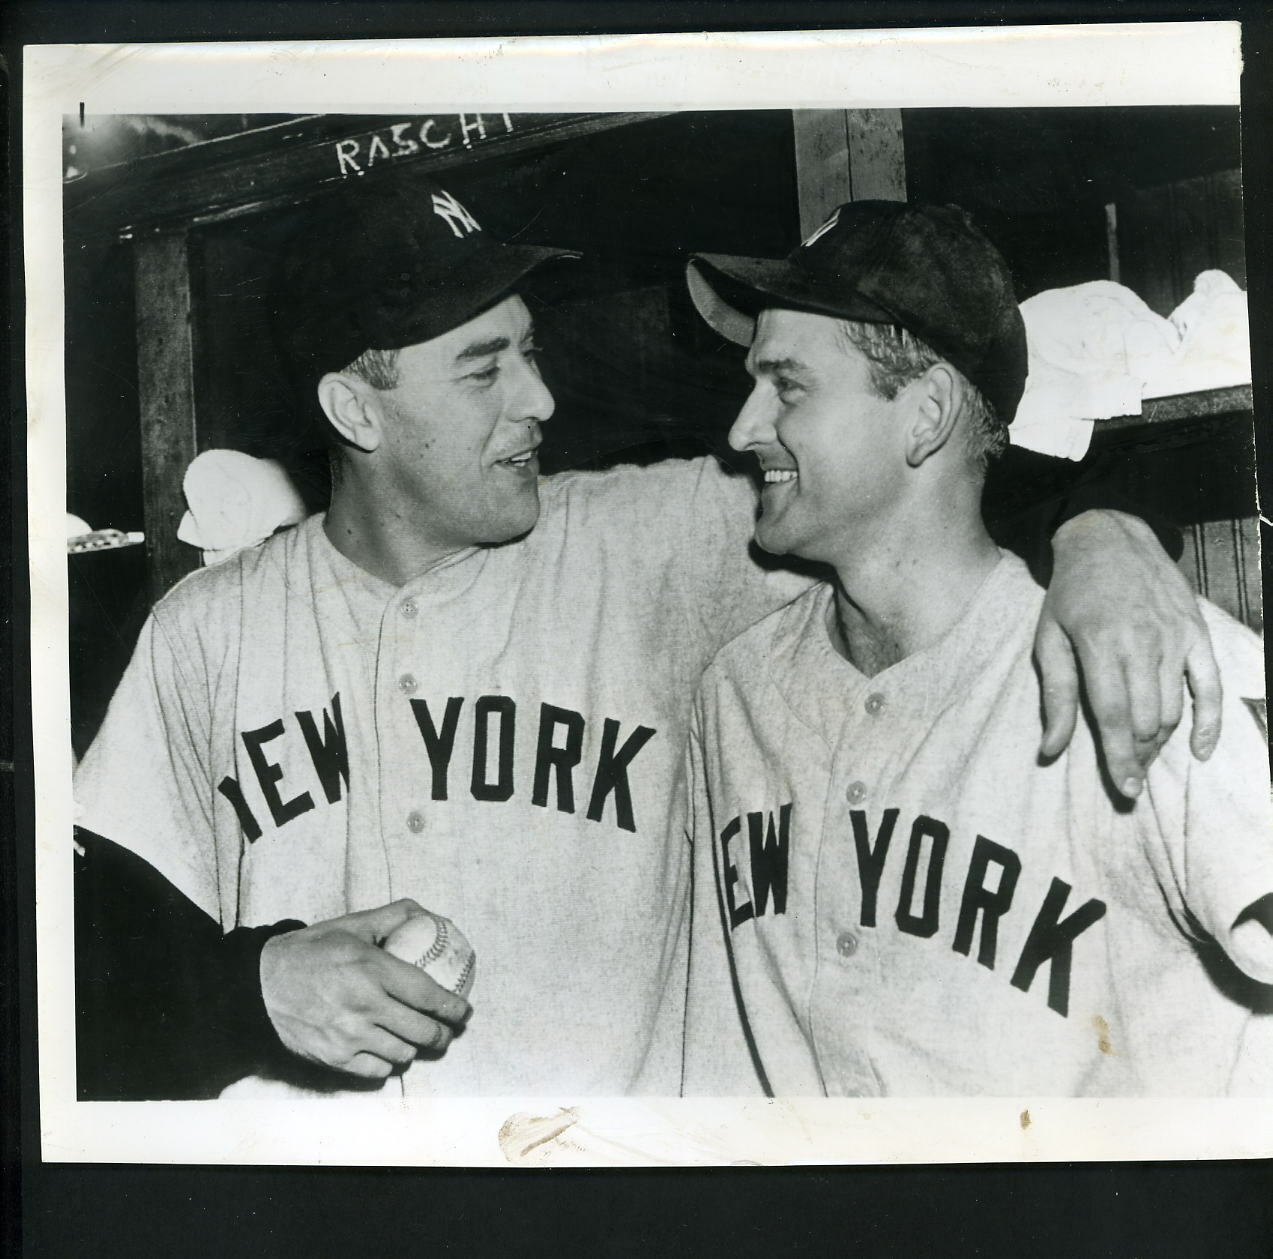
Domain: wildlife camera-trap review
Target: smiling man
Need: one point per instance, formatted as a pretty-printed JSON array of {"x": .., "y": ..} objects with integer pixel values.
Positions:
[
  {"x": 448, "y": 449},
  {"x": 895, "y": 894},
  {"x": 464, "y": 686}
]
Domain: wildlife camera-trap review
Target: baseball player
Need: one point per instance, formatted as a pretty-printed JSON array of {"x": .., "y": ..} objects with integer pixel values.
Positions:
[
  {"x": 894, "y": 893},
  {"x": 468, "y": 686}
]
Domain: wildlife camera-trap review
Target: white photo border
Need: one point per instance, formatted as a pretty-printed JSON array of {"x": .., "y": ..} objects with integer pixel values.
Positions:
[{"x": 1193, "y": 63}]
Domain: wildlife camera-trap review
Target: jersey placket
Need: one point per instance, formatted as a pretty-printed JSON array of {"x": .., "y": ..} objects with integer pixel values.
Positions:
[
  {"x": 405, "y": 786},
  {"x": 420, "y": 642},
  {"x": 888, "y": 718},
  {"x": 847, "y": 981}
]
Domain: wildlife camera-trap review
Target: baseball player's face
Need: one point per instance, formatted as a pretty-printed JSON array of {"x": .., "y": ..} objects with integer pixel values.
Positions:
[
  {"x": 462, "y": 428},
  {"x": 829, "y": 447}
]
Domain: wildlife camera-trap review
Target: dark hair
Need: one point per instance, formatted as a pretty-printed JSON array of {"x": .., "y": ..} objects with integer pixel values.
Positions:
[
  {"x": 896, "y": 357},
  {"x": 379, "y": 368}
]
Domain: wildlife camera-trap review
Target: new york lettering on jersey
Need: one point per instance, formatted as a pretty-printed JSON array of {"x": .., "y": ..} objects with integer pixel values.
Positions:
[
  {"x": 487, "y": 746},
  {"x": 962, "y": 893}
]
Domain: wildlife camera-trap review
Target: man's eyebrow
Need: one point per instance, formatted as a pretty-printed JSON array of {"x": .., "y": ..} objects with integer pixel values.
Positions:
[
  {"x": 482, "y": 349},
  {"x": 771, "y": 366}
]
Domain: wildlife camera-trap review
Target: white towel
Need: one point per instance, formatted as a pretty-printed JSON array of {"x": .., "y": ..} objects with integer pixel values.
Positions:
[
  {"x": 1215, "y": 340},
  {"x": 235, "y": 501},
  {"x": 1092, "y": 348}
]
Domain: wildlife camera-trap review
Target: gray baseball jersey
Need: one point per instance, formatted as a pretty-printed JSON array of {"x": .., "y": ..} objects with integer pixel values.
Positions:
[
  {"x": 502, "y": 738},
  {"x": 908, "y": 903}
]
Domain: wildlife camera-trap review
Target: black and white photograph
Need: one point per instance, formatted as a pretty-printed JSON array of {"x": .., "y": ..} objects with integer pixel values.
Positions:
[{"x": 613, "y": 625}]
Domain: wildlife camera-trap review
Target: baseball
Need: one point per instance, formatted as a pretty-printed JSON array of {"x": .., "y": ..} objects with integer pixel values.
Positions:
[{"x": 438, "y": 947}]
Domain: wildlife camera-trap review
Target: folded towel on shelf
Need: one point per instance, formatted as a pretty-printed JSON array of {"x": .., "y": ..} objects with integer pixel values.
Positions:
[
  {"x": 235, "y": 501},
  {"x": 1092, "y": 348},
  {"x": 1215, "y": 340},
  {"x": 1060, "y": 408}
]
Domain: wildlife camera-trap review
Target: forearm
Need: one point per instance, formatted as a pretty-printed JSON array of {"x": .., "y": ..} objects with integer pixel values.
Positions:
[
  {"x": 1029, "y": 497},
  {"x": 167, "y": 1005}
]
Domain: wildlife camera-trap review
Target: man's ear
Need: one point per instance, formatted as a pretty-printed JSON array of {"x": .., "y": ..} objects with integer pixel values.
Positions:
[
  {"x": 937, "y": 398},
  {"x": 352, "y": 408}
]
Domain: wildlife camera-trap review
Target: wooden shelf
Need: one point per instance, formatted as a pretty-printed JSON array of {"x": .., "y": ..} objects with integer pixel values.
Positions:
[
  {"x": 291, "y": 162},
  {"x": 1183, "y": 406}
]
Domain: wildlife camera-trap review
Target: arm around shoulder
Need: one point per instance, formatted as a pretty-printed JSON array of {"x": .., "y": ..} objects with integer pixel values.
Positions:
[{"x": 1121, "y": 619}]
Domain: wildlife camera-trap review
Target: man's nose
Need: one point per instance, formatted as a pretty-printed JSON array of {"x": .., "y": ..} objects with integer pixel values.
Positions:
[
  {"x": 754, "y": 425},
  {"x": 533, "y": 399}
]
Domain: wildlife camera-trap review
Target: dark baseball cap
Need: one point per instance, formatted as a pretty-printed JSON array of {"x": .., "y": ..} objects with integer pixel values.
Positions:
[
  {"x": 925, "y": 268},
  {"x": 383, "y": 266}
]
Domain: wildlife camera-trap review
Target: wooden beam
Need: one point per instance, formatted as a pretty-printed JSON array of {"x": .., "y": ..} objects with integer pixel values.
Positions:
[
  {"x": 165, "y": 380},
  {"x": 288, "y": 163},
  {"x": 1222, "y": 559},
  {"x": 822, "y": 164},
  {"x": 846, "y": 155},
  {"x": 877, "y": 157}
]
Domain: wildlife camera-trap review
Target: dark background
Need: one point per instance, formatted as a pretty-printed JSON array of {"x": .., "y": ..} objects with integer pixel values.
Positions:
[
  {"x": 52, "y": 1210},
  {"x": 635, "y": 371}
]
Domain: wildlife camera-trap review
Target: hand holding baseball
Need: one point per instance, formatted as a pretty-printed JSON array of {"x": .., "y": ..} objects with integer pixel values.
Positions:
[
  {"x": 438, "y": 947},
  {"x": 336, "y": 998}
]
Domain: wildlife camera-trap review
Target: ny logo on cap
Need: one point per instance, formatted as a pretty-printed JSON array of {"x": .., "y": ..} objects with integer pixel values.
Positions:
[
  {"x": 458, "y": 219},
  {"x": 824, "y": 229}
]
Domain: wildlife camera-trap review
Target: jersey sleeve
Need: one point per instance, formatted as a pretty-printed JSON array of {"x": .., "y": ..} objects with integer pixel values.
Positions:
[
  {"x": 681, "y": 529},
  {"x": 717, "y": 1059},
  {"x": 735, "y": 583},
  {"x": 1028, "y": 496},
  {"x": 145, "y": 783},
  {"x": 1216, "y": 818}
]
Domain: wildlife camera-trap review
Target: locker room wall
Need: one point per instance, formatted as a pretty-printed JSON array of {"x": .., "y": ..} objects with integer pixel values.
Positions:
[{"x": 635, "y": 372}]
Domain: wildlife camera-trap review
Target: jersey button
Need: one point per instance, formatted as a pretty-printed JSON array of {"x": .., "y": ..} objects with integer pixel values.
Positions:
[
  {"x": 407, "y": 683},
  {"x": 856, "y": 792},
  {"x": 409, "y": 607},
  {"x": 846, "y": 944},
  {"x": 875, "y": 704},
  {"x": 415, "y": 821}
]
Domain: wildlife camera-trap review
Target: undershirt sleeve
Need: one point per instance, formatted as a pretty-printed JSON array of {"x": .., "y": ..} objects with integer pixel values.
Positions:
[{"x": 166, "y": 1005}]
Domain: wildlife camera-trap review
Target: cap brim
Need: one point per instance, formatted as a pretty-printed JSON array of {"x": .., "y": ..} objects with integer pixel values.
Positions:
[
  {"x": 731, "y": 291},
  {"x": 462, "y": 294}
]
